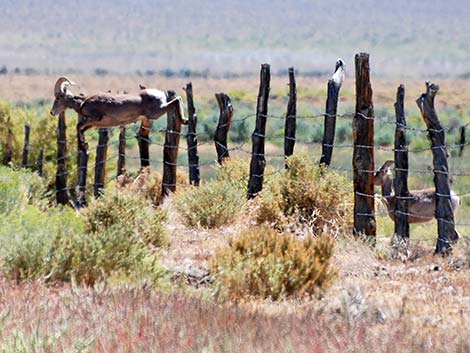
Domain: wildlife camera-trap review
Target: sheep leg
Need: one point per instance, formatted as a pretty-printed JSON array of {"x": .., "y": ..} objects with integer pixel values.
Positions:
[
  {"x": 176, "y": 104},
  {"x": 82, "y": 126}
]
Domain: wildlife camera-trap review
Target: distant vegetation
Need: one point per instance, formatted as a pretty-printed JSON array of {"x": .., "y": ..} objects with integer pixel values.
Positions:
[{"x": 178, "y": 38}]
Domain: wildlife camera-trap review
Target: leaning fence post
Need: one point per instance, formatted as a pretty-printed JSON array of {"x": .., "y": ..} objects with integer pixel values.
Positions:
[
  {"x": 8, "y": 145},
  {"x": 191, "y": 138},
  {"x": 100, "y": 163},
  {"x": 447, "y": 235},
  {"x": 402, "y": 226},
  {"x": 462, "y": 140},
  {"x": 329, "y": 126},
  {"x": 121, "y": 164},
  {"x": 170, "y": 150},
  {"x": 291, "y": 115},
  {"x": 40, "y": 162},
  {"x": 363, "y": 153},
  {"x": 223, "y": 126},
  {"x": 62, "y": 194},
  {"x": 27, "y": 131},
  {"x": 258, "y": 161},
  {"x": 143, "y": 137}
]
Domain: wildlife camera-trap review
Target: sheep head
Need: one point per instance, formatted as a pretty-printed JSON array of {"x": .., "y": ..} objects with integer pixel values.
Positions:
[
  {"x": 62, "y": 96},
  {"x": 383, "y": 173}
]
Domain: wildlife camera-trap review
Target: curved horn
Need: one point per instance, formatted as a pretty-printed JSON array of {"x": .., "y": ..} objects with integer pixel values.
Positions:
[{"x": 60, "y": 85}]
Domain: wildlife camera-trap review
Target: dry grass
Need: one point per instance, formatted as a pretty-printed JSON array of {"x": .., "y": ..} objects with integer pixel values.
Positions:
[
  {"x": 454, "y": 92},
  {"x": 378, "y": 306}
]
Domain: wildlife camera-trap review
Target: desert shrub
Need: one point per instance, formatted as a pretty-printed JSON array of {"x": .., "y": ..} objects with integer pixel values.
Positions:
[
  {"x": 305, "y": 194},
  {"x": 129, "y": 211},
  {"x": 235, "y": 171},
  {"x": 265, "y": 264},
  {"x": 19, "y": 188},
  {"x": 55, "y": 246},
  {"x": 214, "y": 204},
  {"x": 27, "y": 239}
]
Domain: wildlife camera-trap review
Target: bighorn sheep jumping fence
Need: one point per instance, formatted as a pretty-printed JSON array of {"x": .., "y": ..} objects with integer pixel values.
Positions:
[{"x": 400, "y": 202}]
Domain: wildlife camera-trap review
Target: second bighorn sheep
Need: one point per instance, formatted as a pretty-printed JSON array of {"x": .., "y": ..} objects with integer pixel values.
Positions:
[
  {"x": 106, "y": 110},
  {"x": 421, "y": 203}
]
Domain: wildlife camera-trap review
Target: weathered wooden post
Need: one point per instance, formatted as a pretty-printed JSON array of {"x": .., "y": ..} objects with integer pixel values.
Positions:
[
  {"x": 462, "y": 140},
  {"x": 121, "y": 163},
  {"x": 191, "y": 138},
  {"x": 447, "y": 235},
  {"x": 100, "y": 163},
  {"x": 40, "y": 162},
  {"x": 402, "y": 227},
  {"x": 291, "y": 116},
  {"x": 170, "y": 151},
  {"x": 223, "y": 126},
  {"x": 8, "y": 156},
  {"x": 82, "y": 169},
  {"x": 329, "y": 126},
  {"x": 258, "y": 160},
  {"x": 27, "y": 131},
  {"x": 143, "y": 137},
  {"x": 62, "y": 194},
  {"x": 363, "y": 152}
]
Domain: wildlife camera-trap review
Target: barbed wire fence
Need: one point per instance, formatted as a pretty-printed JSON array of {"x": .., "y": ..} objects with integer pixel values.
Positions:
[{"x": 111, "y": 147}]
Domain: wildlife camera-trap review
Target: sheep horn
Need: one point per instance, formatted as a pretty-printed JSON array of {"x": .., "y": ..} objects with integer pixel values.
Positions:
[
  {"x": 60, "y": 85},
  {"x": 387, "y": 165}
]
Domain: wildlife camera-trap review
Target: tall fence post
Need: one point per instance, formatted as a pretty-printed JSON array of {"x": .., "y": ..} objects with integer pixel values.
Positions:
[
  {"x": 170, "y": 150},
  {"x": 62, "y": 194},
  {"x": 447, "y": 235},
  {"x": 329, "y": 125},
  {"x": 143, "y": 137},
  {"x": 121, "y": 163},
  {"x": 40, "y": 162},
  {"x": 402, "y": 226},
  {"x": 291, "y": 116},
  {"x": 191, "y": 138},
  {"x": 462, "y": 140},
  {"x": 82, "y": 170},
  {"x": 100, "y": 163},
  {"x": 223, "y": 126},
  {"x": 258, "y": 160},
  {"x": 8, "y": 156},
  {"x": 27, "y": 131},
  {"x": 363, "y": 152}
]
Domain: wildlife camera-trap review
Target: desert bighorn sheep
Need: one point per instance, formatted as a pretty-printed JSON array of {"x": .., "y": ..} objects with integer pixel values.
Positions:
[
  {"x": 106, "y": 110},
  {"x": 421, "y": 203}
]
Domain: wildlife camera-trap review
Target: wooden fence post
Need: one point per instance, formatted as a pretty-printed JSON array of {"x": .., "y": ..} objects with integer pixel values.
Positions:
[
  {"x": 170, "y": 151},
  {"x": 462, "y": 140},
  {"x": 144, "y": 138},
  {"x": 258, "y": 160},
  {"x": 40, "y": 163},
  {"x": 447, "y": 235},
  {"x": 27, "y": 131},
  {"x": 100, "y": 163},
  {"x": 191, "y": 138},
  {"x": 223, "y": 126},
  {"x": 62, "y": 194},
  {"x": 8, "y": 145},
  {"x": 80, "y": 190},
  {"x": 329, "y": 125},
  {"x": 402, "y": 227},
  {"x": 121, "y": 164},
  {"x": 291, "y": 116},
  {"x": 363, "y": 153}
]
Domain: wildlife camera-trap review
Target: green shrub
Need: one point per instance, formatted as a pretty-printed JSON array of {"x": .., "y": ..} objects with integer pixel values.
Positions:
[
  {"x": 235, "y": 171},
  {"x": 130, "y": 211},
  {"x": 28, "y": 237},
  {"x": 19, "y": 188},
  {"x": 265, "y": 264},
  {"x": 305, "y": 194},
  {"x": 214, "y": 204}
]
